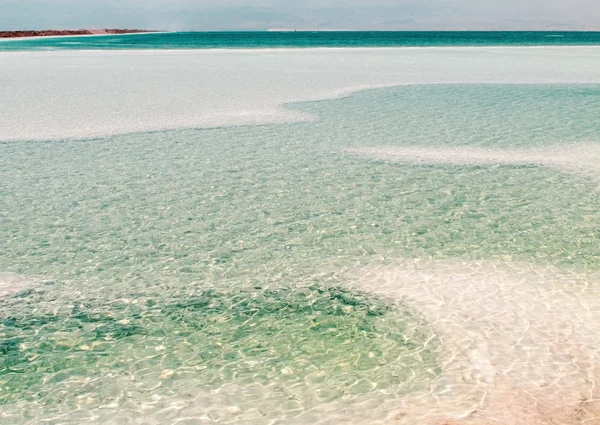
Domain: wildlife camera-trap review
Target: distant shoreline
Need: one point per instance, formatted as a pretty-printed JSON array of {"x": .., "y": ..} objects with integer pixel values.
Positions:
[{"x": 64, "y": 33}]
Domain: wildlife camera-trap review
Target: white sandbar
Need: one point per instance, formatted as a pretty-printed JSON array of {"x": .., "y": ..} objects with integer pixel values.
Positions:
[
  {"x": 581, "y": 158},
  {"x": 81, "y": 94},
  {"x": 12, "y": 284},
  {"x": 521, "y": 343}
]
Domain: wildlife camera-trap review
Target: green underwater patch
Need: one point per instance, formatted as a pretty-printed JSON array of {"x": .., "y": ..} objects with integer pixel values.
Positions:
[{"x": 311, "y": 336}]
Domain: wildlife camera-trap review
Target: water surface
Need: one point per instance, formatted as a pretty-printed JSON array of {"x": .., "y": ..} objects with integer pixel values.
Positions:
[{"x": 271, "y": 274}]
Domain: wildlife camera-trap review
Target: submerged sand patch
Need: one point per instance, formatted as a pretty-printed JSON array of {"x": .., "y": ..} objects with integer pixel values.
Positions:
[
  {"x": 521, "y": 343},
  {"x": 11, "y": 284},
  {"x": 582, "y": 158}
]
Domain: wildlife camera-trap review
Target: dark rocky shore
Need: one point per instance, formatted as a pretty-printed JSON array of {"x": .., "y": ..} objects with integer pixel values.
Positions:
[{"x": 48, "y": 33}]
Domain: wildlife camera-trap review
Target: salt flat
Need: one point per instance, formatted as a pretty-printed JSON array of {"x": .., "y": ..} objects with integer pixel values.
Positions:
[{"x": 82, "y": 94}]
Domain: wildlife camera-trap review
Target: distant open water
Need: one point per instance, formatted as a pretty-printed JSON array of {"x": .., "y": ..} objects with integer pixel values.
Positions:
[{"x": 259, "y": 39}]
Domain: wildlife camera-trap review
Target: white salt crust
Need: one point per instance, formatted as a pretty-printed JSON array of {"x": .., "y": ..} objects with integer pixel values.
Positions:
[{"x": 84, "y": 94}]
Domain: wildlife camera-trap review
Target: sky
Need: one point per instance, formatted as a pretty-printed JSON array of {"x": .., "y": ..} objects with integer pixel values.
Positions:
[{"x": 301, "y": 14}]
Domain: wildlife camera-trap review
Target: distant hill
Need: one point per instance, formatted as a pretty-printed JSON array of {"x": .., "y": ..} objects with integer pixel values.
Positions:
[{"x": 53, "y": 33}]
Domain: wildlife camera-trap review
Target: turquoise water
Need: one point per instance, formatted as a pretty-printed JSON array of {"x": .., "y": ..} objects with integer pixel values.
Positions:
[
  {"x": 191, "y": 269},
  {"x": 257, "y": 39}
]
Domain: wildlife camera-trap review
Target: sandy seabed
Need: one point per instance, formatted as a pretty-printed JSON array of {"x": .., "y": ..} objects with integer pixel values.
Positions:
[
  {"x": 521, "y": 342},
  {"x": 11, "y": 284},
  {"x": 578, "y": 158}
]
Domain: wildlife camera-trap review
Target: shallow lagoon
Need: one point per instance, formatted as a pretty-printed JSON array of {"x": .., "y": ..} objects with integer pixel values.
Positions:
[{"x": 267, "y": 274}]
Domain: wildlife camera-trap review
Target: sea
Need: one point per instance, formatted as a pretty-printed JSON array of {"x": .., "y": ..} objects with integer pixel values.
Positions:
[
  {"x": 300, "y": 228},
  {"x": 299, "y": 39}
]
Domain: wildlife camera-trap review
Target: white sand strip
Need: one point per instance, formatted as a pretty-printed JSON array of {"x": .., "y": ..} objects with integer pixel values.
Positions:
[
  {"x": 582, "y": 158},
  {"x": 79, "y": 94},
  {"x": 522, "y": 342},
  {"x": 11, "y": 284}
]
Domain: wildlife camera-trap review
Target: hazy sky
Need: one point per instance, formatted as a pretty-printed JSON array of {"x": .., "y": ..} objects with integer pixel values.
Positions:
[{"x": 307, "y": 14}]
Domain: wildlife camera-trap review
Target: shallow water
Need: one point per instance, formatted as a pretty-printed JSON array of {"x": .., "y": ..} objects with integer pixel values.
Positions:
[{"x": 265, "y": 274}]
